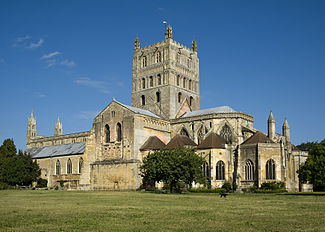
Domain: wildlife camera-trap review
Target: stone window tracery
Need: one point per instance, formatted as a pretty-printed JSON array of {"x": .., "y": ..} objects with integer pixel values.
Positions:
[
  {"x": 81, "y": 161},
  {"x": 270, "y": 169},
  {"x": 144, "y": 62},
  {"x": 57, "y": 168},
  {"x": 226, "y": 133},
  {"x": 69, "y": 166},
  {"x": 249, "y": 170},
  {"x": 220, "y": 170},
  {"x": 158, "y": 57}
]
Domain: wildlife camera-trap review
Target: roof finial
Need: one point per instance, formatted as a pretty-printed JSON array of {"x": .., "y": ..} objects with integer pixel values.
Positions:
[
  {"x": 194, "y": 45},
  {"x": 136, "y": 43},
  {"x": 58, "y": 118}
]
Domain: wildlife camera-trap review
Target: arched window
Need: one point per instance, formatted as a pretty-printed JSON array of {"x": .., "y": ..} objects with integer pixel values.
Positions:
[
  {"x": 144, "y": 61},
  {"x": 151, "y": 81},
  {"x": 118, "y": 131},
  {"x": 184, "y": 82},
  {"x": 107, "y": 134},
  {"x": 184, "y": 132},
  {"x": 143, "y": 83},
  {"x": 220, "y": 170},
  {"x": 143, "y": 100},
  {"x": 249, "y": 170},
  {"x": 190, "y": 84},
  {"x": 81, "y": 161},
  {"x": 226, "y": 133},
  {"x": 69, "y": 166},
  {"x": 179, "y": 97},
  {"x": 191, "y": 101},
  {"x": 158, "y": 57},
  {"x": 270, "y": 169},
  {"x": 158, "y": 96},
  {"x": 206, "y": 169},
  {"x": 159, "y": 79},
  {"x": 178, "y": 80},
  {"x": 57, "y": 168},
  {"x": 200, "y": 134}
]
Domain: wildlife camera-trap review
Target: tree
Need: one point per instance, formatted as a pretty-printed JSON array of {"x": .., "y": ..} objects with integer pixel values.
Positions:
[
  {"x": 172, "y": 167},
  {"x": 306, "y": 146},
  {"x": 16, "y": 169},
  {"x": 313, "y": 170}
]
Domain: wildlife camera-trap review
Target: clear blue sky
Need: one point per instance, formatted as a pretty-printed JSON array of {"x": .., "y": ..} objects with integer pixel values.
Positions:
[{"x": 70, "y": 58}]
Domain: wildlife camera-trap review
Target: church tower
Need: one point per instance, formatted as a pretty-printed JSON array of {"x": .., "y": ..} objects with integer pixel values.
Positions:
[
  {"x": 165, "y": 77},
  {"x": 58, "y": 128},
  {"x": 31, "y": 128}
]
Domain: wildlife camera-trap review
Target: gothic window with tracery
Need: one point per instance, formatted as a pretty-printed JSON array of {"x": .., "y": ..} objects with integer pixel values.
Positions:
[
  {"x": 226, "y": 134},
  {"x": 144, "y": 62},
  {"x": 107, "y": 134},
  {"x": 206, "y": 169},
  {"x": 69, "y": 166},
  {"x": 158, "y": 57},
  {"x": 200, "y": 134},
  {"x": 270, "y": 169},
  {"x": 57, "y": 168},
  {"x": 118, "y": 132},
  {"x": 220, "y": 170},
  {"x": 249, "y": 170},
  {"x": 184, "y": 132},
  {"x": 81, "y": 161}
]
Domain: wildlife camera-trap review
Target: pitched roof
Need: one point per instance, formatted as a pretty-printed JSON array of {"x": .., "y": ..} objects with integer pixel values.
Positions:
[
  {"x": 153, "y": 143},
  {"x": 258, "y": 137},
  {"x": 212, "y": 141},
  {"x": 140, "y": 111},
  {"x": 180, "y": 141},
  {"x": 221, "y": 109},
  {"x": 59, "y": 150}
]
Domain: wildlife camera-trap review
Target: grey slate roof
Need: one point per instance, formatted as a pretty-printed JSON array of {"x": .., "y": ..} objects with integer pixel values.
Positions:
[
  {"x": 59, "y": 150},
  {"x": 140, "y": 111},
  {"x": 221, "y": 109}
]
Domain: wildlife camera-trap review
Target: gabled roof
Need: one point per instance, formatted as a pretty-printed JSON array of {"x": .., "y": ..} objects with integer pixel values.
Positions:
[
  {"x": 153, "y": 143},
  {"x": 258, "y": 137},
  {"x": 180, "y": 141},
  {"x": 59, "y": 150},
  {"x": 140, "y": 111},
  {"x": 221, "y": 109},
  {"x": 131, "y": 108},
  {"x": 212, "y": 141}
]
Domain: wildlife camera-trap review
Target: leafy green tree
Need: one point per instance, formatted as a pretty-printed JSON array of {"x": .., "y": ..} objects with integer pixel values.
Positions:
[
  {"x": 173, "y": 167},
  {"x": 16, "y": 169},
  {"x": 313, "y": 170},
  {"x": 306, "y": 146}
]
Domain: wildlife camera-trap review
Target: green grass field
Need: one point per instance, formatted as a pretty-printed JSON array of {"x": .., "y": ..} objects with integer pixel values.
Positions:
[{"x": 43, "y": 210}]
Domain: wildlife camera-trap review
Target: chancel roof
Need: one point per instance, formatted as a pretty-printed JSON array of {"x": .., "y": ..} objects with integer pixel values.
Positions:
[
  {"x": 212, "y": 141},
  {"x": 180, "y": 141},
  {"x": 153, "y": 143},
  {"x": 221, "y": 109},
  {"x": 140, "y": 111},
  {"x": 59, "y": 150},
  {"x": 258, "y": 137}
]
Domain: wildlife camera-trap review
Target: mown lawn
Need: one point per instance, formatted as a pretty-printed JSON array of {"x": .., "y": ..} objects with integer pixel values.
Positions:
[{"x": 43, "y": 210}]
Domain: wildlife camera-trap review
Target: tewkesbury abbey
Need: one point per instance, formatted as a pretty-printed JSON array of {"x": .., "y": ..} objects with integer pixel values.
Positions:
[{"x": 165, "y": 114}]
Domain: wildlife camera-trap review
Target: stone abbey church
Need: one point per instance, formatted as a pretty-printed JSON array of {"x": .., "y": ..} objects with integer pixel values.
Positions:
[{"x": 165, "y": 114}]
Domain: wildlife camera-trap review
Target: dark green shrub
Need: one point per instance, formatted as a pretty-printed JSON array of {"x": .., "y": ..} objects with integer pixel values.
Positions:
[
  {"x": 227, "y": 186},
  {"x": 41, "y": 183},
  {"x": 56, "y": 188},
  {"x": 273, "y": 185},
  {"x": 4, "y": 186}
]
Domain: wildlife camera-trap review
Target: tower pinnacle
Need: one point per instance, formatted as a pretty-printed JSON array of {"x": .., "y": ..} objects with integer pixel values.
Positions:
[
  {"x": 58, "y": 128},
  {"x": 136, "y": 43},
  {"x": 194, "y": 45},
  {"x": 169, "y": 32}
]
